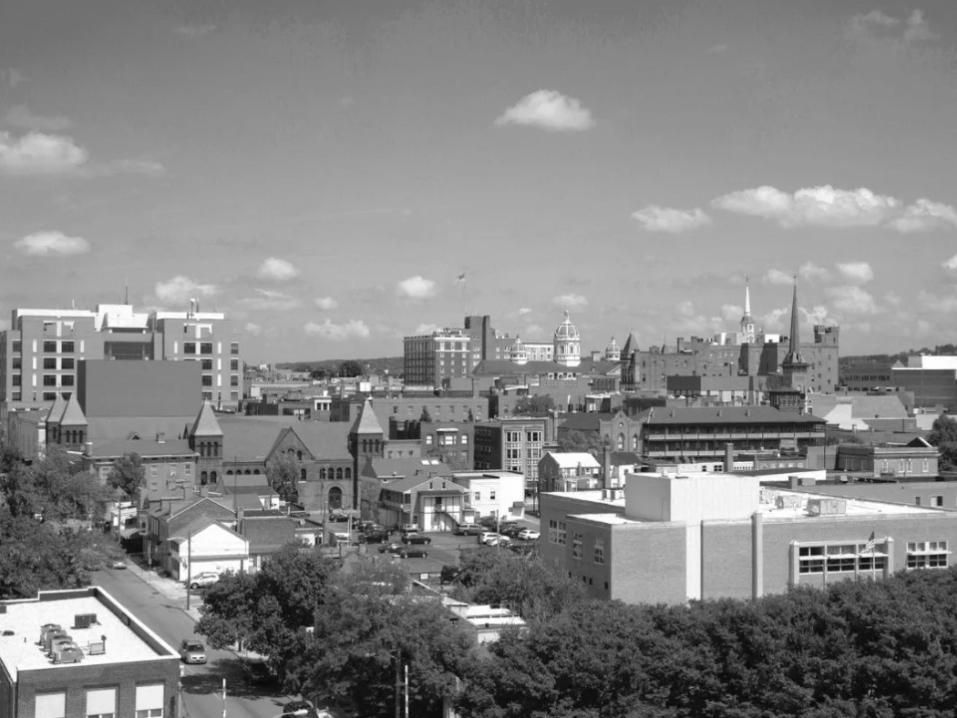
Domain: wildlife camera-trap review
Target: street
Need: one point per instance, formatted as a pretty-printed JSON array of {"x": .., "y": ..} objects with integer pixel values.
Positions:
[{"x": 202, "y": 684}]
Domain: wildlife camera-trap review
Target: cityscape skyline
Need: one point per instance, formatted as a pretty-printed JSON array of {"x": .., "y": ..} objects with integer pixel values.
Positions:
[{"x": 335, "y": 178}]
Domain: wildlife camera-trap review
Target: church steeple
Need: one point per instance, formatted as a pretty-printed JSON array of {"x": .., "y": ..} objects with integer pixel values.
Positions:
[
  {"x": 794, "y": 338},
  {"x": 747, "y": 323}
]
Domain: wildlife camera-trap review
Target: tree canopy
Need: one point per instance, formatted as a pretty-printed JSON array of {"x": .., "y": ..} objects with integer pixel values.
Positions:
[
  {"x": 282, "y": 473},
  {"x": 127, "y": 474},
  {"x": 943, "y": 435},
  {"x": 537, "y": 405},
  {"x": 350, "y": 368}
]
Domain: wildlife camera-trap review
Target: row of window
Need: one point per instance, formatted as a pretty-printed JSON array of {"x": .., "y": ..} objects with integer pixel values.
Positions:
[
  {"x": 515, "y": 437},
  {"x": 867, "y": 557},
  {"x": 102, "y": 702},
  {"x": 598, "y": 548}
]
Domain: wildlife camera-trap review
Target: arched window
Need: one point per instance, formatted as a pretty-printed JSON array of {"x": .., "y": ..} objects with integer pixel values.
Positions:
[
  {"x": 299, "y": 455},
  {"x": 335, "y": 498},
  {"x": 339, "y": 472},
  {"x": 212, "y": 477},
  {"x": 256, "y": 470},
  {"x": 634, "y": 442},
  {"x": 322, "y": 473},
  {"x": 203, "y": 478},
  {"x": 229, "y": 472},
  {"x": 348, "y": 473},
  {"x": 620, "y": 444},
  {"x": 302, "y": 474}
]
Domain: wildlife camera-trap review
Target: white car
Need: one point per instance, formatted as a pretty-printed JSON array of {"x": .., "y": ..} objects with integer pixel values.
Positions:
[
  {"x": 203, "y": 579},
  {"x": 529, "y": 535}
]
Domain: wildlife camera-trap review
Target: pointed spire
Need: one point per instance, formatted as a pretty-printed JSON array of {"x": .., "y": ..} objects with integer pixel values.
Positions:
[
  {"x": 747, "y": 299},
  {"x": 206, "y": 424},
  {"x": 366, "y": 422},
  {"x": 56, "y": 411},
  {"x": 73, "y": 415},
  {"x": 793, "y": 356}
]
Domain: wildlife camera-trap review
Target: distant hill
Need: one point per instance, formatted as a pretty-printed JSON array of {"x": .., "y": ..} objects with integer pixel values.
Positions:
[{"x": 370, "y": 366}]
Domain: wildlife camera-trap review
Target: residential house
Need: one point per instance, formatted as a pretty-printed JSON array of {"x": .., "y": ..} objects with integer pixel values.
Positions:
[{"x": 569, "y": 471}]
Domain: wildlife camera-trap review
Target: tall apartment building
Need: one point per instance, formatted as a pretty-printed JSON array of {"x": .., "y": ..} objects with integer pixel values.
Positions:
[
  {"x": 40, "y": 352},
  {"x": 436, "y": 359},
  {"x": 514, "y": 444}
]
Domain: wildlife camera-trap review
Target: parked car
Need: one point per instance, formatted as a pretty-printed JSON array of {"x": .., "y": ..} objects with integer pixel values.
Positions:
[
  {"x": 415, "y": 538},
  {"x": 377, "y": 536},
  {"x": 490, "y": 538},
  {"x": 203, "y": 579},
  {"x": 302, "y": 708},
  {"x": 192, "y": 651},
  {"x": 405, "y": 528},
  {"x": 512, "y": 531},
  {"x": 119, "y": 565},
  {"x": 529, "y": 535},
  {"x": 391, "y": 547},
  {"x": 466, "y": 529},
  {"x": 411, "y": 552}
]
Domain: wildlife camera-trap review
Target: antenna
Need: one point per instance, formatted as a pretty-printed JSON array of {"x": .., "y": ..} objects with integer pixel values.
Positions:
[{"x": 126, "y": 293}]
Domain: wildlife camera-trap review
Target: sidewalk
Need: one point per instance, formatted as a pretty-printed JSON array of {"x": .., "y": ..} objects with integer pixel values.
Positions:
[{"x": 170, "y": 588}]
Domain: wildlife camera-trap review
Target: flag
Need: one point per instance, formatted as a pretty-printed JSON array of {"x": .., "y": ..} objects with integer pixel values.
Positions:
[{"x": 871, "y": 543}]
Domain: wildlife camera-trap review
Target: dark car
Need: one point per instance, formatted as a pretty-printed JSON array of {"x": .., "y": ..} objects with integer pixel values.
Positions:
[
  {"x": 375, "y": 536},
  {"x": 511, "y": 531},
  {"x": 300, "y": 708},
  {"x": 391, "y": 547},
  {"x": 411, "y": 552},
  {"x": 415, "y": 538},
  {"x": 469, "y": 529}
]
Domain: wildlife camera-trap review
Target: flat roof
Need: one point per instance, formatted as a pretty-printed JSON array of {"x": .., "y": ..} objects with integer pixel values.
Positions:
[
  {"x": 126, "y": 638},
  {"x": 796, "y": 505}
]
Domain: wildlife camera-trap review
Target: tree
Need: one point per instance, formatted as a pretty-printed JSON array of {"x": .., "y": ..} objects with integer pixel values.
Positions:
[
  {"x": 282, "y": 473},
  {"x": 943, "y": 435},
  {"x": 425, "y": 416},
  {"x": 318, "y": 374},
  {"x": 583, "y": 441},
  {"x": 538, "y": 405},
  {"x": 127, "y": 474},
  {"x": 350, "y": 368}
]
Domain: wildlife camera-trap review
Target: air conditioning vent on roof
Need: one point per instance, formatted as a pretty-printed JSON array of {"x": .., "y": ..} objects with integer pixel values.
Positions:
[
  {"x": 84, "y": 620},
  {"x": 826, "y": 507}
]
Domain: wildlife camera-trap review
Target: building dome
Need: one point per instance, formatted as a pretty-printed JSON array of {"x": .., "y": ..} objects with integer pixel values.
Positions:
[
  {"x": 568, "y": 348},
  {"x": 612, "y": 351},
  {"x": 517, "y": 352}
]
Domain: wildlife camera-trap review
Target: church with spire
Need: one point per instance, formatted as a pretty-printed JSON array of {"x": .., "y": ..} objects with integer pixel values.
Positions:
[{"x": 787, "y": 391}]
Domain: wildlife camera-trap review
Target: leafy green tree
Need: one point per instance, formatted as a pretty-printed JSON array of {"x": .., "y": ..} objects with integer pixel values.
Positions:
[
  {"x": 943, "y": 435},
  {"x": 350, "y": 368},
  {"x": 282, "y": 473},
  {"x": 582, "y": 441},
  {"x": 367, "y": 628},
  {"x": 127, "y": 474},
  {"x": 537, "y": 405}
]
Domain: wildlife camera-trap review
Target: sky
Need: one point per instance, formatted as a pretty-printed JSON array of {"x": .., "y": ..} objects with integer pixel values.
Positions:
[{"x": 337, "y": 175}]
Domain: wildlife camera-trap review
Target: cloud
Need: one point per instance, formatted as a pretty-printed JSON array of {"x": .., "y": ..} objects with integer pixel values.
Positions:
[
  {"x": 924, "y": 215},
  {"x": 858, "y": 272},
  {"x": 277, "y": 270},
  {"x": 522, "y": 311},
  {"x": 811, "y": 272},
  {"x": 46, "y": 244},
  {"x": 777, "y": 277},
  {"x": 950, "y": 264},
  {"x": 665, "y": 219},
  {"x": 426, "y": 328},
  {"x": 917, "y": 29},
  {"x": 352, "y": 329},
  {"x": 878, "y": 25},
  {"x": 270, "y": 299},
  {"x": 852, "y": 300},
  {"x": 570, "y": 301},
  {"x": 325, "y": 303},
  {"x": 827, "y": 206},
  {"x": 936, "y": 303},
  {"x": 416, "y": 287},
  {"x": 194, "y": 30},
  {"x": 253, "y": 329},
  {"x": 731, "y": 312},
  {"x": 20, "y": 116},
  {"x": 180, "y": 289},
  {"x": 40, "y": 153},
  {"x": 717, "y": 49},
  {"x": 548, "y": 110}
]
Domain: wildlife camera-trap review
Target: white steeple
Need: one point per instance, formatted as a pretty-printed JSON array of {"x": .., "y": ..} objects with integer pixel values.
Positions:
[{"x": 746, "y": 336}]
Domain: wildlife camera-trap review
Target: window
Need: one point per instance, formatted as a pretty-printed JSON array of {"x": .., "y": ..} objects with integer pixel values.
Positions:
[
  {"x": 67, "y": 347},
  {"x": 491, "y": 496},
  {"x": 234, "y": 380},
  {"x": 927, "y": 554},
  {"x": 16, "y": 379},
  {"x": 576, "y": 545},
  {"x": 189, "y": 347},
  {"x": 234, "y": 348},
  {"x": 842, "y": 558},
  {"x": 599, "y": 550},
  {"x": 428, "y": 440},
  {"x": 207, "y": 380},
  {"x": 478, "y": 495},
  {"x": 51, "y": 705},
  {"x": 66, "y": 380},
  {"x": 101, "y": 703},
  {"x": 556, "y": 532},
  {"x": 49, "y": 347},
  {"x": 49, "y": 380},
  {"x": 938, "y": 501},
  {"x": 926, "y": 463},
  {"x": 17, "y": 363},
  {"x": 207, "y": 364},
  {"x": 49, "y": 362},
  {"x": 234, "y": 365},
  {"x": 67, "y": 363},
  {"x": 149, "y": 701},
  {"x": 17, "y": 347},
  {"x": 206, "y": 348}
]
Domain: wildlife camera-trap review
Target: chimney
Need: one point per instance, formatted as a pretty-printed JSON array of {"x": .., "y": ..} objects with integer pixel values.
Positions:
[
  {"x": 160, "y": 437},
  {"x": 605, "y": 465},
  {"x": 728, "y": 457}
]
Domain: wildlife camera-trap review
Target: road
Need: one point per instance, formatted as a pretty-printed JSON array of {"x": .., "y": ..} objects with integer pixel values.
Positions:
[{"x": 202, "y": 684}]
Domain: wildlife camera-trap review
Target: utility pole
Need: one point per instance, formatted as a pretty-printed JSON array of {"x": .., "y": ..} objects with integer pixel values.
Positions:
[
  {"x": 405, "y": 689},
  {"x": 224, "y": 698},
  {"x": 189, "y": 565}
]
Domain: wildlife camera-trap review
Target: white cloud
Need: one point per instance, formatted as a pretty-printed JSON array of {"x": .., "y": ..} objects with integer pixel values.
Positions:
[
  {"x": 277, "y": 270},
  {"x": 917, "y": 29},
  {"x": 924, "y": 215},
  {"x": 416, "y": 287},
  {"x": 522, "y": 311},
  {"x": 950, "y": 264},
  {"x": 873, "y": 20},
  {"x": 20, "y": 116},
  {"x": 858, "y": 272},
  {"x": 534, "y": 331},
  {"x": 852, "y": 300},
  {"x": 45, "y": 244},
  {"x": 571, "y": 301},
  {"x": 811, "y": 272},
  {"x": 936, "y": 303},
  {"x": 352, "y": 329},
  {"x": 665, "y": 219},
  {"x": 548, "y": 110},
  {"x": 39, "y": 153},
  {"x": 270, "y": 299},
  {"x": 879, "y": 26},
  {"x": 777, "y": 277},
  {"x": 776, "y": 320},
  {"x": 254, "y": 329},
  {"x": 180, "y": 289},
  {"x": 823, "y": 206},
  {"x": 325, "y": 303},
  {"x": 426, "y": 328}
]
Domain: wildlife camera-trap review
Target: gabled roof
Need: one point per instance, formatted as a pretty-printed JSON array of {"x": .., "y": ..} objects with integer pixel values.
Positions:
[
  {"x": 419, "y": 468},
  {"x": 73, "y": 415},
  {"x": 247, "y": 438},
  {"x": 268, "y": 534},
  {"x": 201, "y": 524},
  {"x": 409, "y": 483},
  {"x": 631, "y": 345},
  {"x": 206, "y": 424},
  {"x": 366, "y": 422},
  {"x": 574, "y": 459},
  {"x": 56, "y": 411}
]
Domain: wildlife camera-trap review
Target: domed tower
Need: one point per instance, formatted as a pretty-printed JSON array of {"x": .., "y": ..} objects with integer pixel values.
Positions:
[
  {"x": 568, "y": 345},
  {"x": 612, "y": 351},
  {"x": 517, "y": 353}
]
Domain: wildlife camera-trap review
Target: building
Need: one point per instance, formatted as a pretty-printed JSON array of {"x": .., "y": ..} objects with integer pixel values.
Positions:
[
  {"x": 486, "y": 343},
  {"x": 513, "y": 444},
  {"x": 863, "y": 412},
  {"x": 569, "y": 471},
  {"x": 499, "y": 494},
  {"x": 41, "y": 352},
  {"x": 433, "y": 502},
  {"x": 436, "y": 359},
  {"x": 80, "y": 652},
  {"x": 865, "y": 373},
  {"x": 932, "y": 379},
  {"x": 669, "y": 538},
  {"x": 914, "y": 459}
]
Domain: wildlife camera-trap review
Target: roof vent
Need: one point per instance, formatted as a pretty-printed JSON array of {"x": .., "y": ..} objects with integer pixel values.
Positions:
[{"x": 84, "y": 620}]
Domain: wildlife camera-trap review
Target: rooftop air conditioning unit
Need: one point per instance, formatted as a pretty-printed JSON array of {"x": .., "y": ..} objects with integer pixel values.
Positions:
[
  {"x": 84, "y": 620},
  {"x": 826, "y": 507},
  {"x": 68, "y": 654}
]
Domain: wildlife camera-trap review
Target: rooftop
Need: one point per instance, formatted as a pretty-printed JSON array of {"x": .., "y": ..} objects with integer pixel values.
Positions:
[{"x": 124, "y": 638}]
